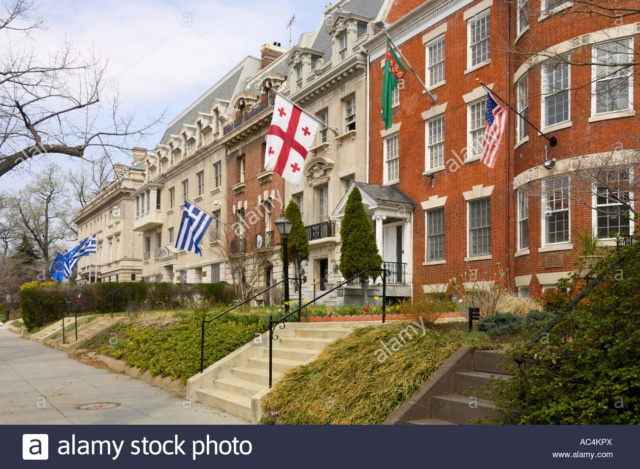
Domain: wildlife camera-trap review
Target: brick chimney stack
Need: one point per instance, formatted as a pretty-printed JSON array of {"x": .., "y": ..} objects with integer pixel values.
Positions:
[{"x": 271, "y": 52}]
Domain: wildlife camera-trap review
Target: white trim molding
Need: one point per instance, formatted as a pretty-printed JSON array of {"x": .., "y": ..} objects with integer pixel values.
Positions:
[
  {"x": 523, "y": 280},
  {"x": 435, "y": 288},
  {"x": 394, "y": 129},
  {"x": 434, "y": 111},
  {"x": 552, "y": 278},
  {"x": 434, "y": 202},
  {"x": 476, "y": 94},
  {"x": 434, "y": 33},
  {"x": 479, "y": 8},
  {"x": 478, "y": 192},
  {"x": 482, "y": 285}
]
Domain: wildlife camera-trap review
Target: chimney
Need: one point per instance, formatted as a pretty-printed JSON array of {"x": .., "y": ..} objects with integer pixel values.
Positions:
[
  {"x": 118, "y": 169},
  {"x": 139, "y": 154},
  {"x": 270, "y": 52}
]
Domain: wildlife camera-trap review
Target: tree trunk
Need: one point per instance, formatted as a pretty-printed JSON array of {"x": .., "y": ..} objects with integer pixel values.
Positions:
[{"x": 364, "y": 291}]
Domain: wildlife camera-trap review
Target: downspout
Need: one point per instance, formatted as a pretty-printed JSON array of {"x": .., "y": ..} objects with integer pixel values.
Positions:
[
  {"x": 368, "y": 124},
  {"x": 507, "y": 181}
]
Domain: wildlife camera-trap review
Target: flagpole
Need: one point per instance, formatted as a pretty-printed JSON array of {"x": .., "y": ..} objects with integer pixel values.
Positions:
[
  {"x": 553, "y": 141},
  {"x": 335, "y": 131},
  {"x": 432, "y": 96}
]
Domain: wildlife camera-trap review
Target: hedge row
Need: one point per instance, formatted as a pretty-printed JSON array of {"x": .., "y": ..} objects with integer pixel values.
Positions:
[{"x": 46, "y": 302}]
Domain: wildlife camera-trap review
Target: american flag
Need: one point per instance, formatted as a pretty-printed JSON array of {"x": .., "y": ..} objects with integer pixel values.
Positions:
[{"x": 496, "y": 117}]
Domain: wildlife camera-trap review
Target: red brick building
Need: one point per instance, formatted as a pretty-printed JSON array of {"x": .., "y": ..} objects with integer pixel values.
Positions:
[{"x": 520, "y": 218}]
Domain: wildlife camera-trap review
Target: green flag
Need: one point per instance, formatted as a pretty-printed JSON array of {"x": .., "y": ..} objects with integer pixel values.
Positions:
[{"x": 393, "y": 71}]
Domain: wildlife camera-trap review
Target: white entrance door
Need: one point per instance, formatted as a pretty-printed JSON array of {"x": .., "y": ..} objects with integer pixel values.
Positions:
[{"x": 392, "y": 255}]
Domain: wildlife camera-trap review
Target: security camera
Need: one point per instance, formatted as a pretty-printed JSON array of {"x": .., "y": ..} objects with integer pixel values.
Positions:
[
  {"x": 550, "y": 164},
  {"x": 215, "y": 203}
]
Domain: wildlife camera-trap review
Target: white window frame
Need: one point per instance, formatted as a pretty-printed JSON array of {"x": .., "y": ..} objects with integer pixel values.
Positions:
[
  {"x": 395, "y": 96},
  {"x": 200, "y": 177},
  {"x": 470, "y": 155},
  {"x": 470, "y": 22},
  {"x": 185, "y": 189},
  {"x": 594, "y": 204},
  {"x": 299, "y": 77},
  {"x": 543, "y": 210},
  {"x": 426, "y": 235},
  {"x": 350, "y": 113},
  {"x": 242, "y": 168},
  {"x": 522, "y": 102},
  {"x": 323, "y": 131},
  {"x": 385, "y": 144},
  {"x": 469, "y": 254},
  {"x": 343, "y": 49},
  {"x": 172, "y": 197},
  {"x": 429, "y": 145},
  {"x": 299, "y": 200},
  {"x": 428, "y": 47},
  {"x": 594, "y": 79},
  {"x": 217, "y": 174},
  {"x": 545, "y": 12},
  {"x": 322, "y": 203},
  {"x": 545, "y": 93},
  {"x": 523, "y": 289},
  {"x": 521, "y": 196},
  {"x": 523, "y": 12}
]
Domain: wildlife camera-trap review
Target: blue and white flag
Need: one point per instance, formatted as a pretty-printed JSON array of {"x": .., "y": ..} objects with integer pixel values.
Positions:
[
  {"x": 87, "y": 246},
  {"x": 192, "y": 228}
]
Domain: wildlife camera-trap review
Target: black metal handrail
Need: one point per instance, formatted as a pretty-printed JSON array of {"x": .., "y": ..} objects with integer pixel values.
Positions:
[
  {"x": 281, "y": 321},
  {"x": 591, "y": 283},
  {"x": 325, "y": 229},
  {"x": 250, "y": 114},
  {"x": 204, "y": 321}
]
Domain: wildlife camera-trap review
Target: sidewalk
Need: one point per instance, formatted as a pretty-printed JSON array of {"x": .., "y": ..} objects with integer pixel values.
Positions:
[{"x": 40, "y": 385}]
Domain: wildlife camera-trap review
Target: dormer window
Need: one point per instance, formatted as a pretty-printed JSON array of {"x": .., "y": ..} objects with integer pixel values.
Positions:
[
  {"x": 185, "y": 145},
  {"x": 241, "y": 105},
  {"x": 342, "y": 47}
]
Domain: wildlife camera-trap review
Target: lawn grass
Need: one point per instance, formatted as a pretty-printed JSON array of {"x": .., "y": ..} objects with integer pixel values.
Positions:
[{"x": 351, "y": 383}]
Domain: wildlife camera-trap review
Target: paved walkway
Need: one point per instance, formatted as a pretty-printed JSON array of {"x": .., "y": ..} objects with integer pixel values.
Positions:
[{"x": 40, "y": 385}]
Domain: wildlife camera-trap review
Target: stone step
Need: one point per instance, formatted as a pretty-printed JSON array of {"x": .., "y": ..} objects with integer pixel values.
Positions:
[
  {"x": 492, "y": 361},
  {"x": 232, "y": 403},
  {"x": 320, "y": 333},
  {"x": 462, "y": 409},
  {"x": 305, "y": 343},
  {"x": 430, "y": 422},
  {"x": 280, "y": 365},
  {"x": 297, "y": 354},
  {"x": 239, "y": 387},
  {"x": 254, "y": 375},
  {"x": 476, "y": 383}
]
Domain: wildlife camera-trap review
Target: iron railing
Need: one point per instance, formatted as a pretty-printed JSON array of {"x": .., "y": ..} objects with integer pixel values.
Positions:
[
  {"x": 214, "y": 235},
  {"x": 264, "y": 240},
  {"x": 326, "y": 229},
  {"x": 250, "y": 114},
  {"x": 281, "y": 321},
  {"x": 157, "y": 252},
  {"x": 238, "y": 246},
  {"x": 396, "y": 272},
  {"x": 147, "y": 255}
]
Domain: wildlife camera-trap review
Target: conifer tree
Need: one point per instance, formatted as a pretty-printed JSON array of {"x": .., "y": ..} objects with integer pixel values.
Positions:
[
  {"x": 25, "y": 252},
  {"x": 297, "y": 242},
  {"x": 359, "y": 251}
]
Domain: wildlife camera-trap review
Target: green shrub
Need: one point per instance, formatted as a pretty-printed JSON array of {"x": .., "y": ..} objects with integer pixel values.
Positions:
[
  {"x": 42, "y": 305},
  {"x": 501, "y": 324},
  {"x": 538, "y": 319},
  {"x": 585, "y": 371}
]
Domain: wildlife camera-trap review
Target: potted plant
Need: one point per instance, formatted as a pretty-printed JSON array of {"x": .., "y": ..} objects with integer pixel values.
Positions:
[{"x": 592, "y": 251}]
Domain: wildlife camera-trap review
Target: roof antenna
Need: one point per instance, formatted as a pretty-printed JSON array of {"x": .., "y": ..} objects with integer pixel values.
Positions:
[{"x": 290, "y": 26}]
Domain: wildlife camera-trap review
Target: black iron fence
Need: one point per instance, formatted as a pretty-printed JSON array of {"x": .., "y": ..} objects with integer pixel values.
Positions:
[
  {"x": 396, "y": 272},
  {"x": 238, "y": 246},
  {"x": 325, "y": 229},
  {"x": 264, "y": 240}
]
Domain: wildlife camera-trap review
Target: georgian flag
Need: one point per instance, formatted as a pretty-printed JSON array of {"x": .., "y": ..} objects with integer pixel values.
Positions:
[
  {"x": 496, "y": 117},
  {"x": 290, "y": 136}
]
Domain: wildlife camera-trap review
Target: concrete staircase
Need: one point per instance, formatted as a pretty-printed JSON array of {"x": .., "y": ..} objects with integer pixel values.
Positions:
[
  {"x": 458, "y": 393},
  {"x": 55, "y": 328},
  {"x": 86, "y": 331},
  {"x": 238, "y": 383}
]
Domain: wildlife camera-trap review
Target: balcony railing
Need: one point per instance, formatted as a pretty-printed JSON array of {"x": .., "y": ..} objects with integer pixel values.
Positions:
[
  {"x": 214, "y": 235},
  {"x": 157, "y": 252},
  {"x": 326, "y": 229},
  {"x": 396, "y": 272},
  {"x": 250, "y": 114},
  {"x": 238, "y": 246},
  {"x": 146, "y": 256},
  {"x": 264, "y": 240}
]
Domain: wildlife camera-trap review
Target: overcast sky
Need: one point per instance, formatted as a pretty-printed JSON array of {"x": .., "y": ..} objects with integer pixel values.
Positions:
[{"x": 166, "y": 53}]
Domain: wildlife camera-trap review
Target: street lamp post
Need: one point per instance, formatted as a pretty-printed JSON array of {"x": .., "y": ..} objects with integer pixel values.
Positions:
[{"x": 284, "y": 228}]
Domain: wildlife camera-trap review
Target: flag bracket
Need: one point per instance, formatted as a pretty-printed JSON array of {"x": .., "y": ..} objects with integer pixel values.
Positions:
[
  {"x": 336, "y": 131},
  {"x": 432, "y": 96},
  {"x": 553, "y": 141}
]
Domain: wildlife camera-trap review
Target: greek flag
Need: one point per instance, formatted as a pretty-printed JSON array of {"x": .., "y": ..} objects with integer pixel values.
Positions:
[
  {"x": 192, "y": 228},
  {"x": 87, "y": 246}
]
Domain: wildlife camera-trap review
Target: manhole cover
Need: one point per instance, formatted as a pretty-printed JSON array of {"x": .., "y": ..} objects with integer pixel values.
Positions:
[{"x": 98, "y": 406}]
